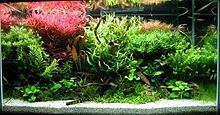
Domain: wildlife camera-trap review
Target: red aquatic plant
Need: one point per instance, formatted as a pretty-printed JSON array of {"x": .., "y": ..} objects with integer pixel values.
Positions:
[
  {"x": 59, "y": 23},
  {"x": 7, "y": 19},
  {"x": 58, "y": 19}
]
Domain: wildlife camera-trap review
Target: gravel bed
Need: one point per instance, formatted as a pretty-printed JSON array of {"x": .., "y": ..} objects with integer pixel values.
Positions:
[{"x": 159, "y": 107}]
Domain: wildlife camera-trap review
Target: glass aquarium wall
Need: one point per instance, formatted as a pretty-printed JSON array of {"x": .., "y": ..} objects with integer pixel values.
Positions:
[{"x": 126, "y": 51}]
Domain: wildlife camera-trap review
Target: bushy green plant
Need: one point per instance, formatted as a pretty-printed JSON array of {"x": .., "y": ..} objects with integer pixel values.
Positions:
[
  {"x": 102, "y": 61},
  {"x": 133, "y": 65},
  {"x": 66, "y": 70},
  {"x": 185, "y": 64},
  {"x": 65, "y": 85},
  {"x": 23, "y": 48},
  {"x": 112, "y": 29},
  {"x": 155, "y": 43},
  {"x": 154, "y": 72},
  {"x": 179, "y": 89},
  {"x": 106, "y": 39},
  {"x": 195, "y": 63},
  {"x": 209, "y": 54},
  {"x": 50, "y": 70},
  {"x": 31, "y": 93}
]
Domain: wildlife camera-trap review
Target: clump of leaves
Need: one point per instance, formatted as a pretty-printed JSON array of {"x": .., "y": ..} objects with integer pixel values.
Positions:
[
  {"x": 185, "y": 64},
  {"x": 154, "y": 44},
  {"x": 7, "y": 19},
  {"x": 195, "y": 63},
  {"x": 179, "y": 89},
  {"x": 31, "y": 93},
  {"x": 209, "y": 54},
  {"x": 133, "y": 66},
  {"x": 22, "y": 49},
  {"x": 153, "y": 72},
  {"x": 64, "y": 84},
  {"x": 47, "y": 17},
  {"x": 133, "y": 92},
  {"x": 60, "y": 23},
  {"x": 105, "y": 43}
]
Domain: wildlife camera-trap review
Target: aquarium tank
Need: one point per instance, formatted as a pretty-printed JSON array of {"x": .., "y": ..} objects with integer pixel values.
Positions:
[{"x": 109, "y": 51}]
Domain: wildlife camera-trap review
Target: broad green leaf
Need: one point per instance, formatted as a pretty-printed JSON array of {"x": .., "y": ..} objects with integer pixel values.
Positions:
[
  {"x": 187, "y": 89},
  {"x": 25, "y": 95},
  {"x": 139, "y": 61},
  {"x": 137, "y": 78},
  {"x": 130, "y": 78},
  {"x": 33, "y": 98},
  {"x": 132, "y": 70},
  {"x": 173, "y": 95},
  {"x": 182, "y": 87},
  {"x": 178, "y": 83},
  {"x": 56, "y": 87},
  {"x": 28, "y": 91},
  {"x": 171, "y": 87},
  {"x": 67, "y": 84},
  {"x": 176, "y": 89},
  {"x": 33, "y": 88},
  {"x": 36, "y": 91}
]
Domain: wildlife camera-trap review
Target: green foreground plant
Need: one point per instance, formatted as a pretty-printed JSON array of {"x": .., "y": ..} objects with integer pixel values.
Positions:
[
  {"x": 179, "y": 89},
  {"x": 31, "y": 93}
]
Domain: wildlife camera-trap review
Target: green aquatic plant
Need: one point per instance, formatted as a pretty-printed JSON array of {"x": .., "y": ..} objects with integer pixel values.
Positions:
[
  {"x": 133, "y": 65},
  {"x": 179, "y": 89},
  {"x": 154, "y": 44},
  {"x": 31, "y": 93},
  {"x": 105, "y": 43},
  {"x": 64, "y": 84},
  {"x": 195, "y": 63},
  {"x": 23, "y": 50},
  {"x": 185, "y": 64},
  {"x": 66, "y": 70},
  {"x": 153, "y": 72}
]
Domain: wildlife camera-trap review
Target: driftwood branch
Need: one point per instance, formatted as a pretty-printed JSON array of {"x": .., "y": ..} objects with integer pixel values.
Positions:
[{"x": 13, "y": 8}]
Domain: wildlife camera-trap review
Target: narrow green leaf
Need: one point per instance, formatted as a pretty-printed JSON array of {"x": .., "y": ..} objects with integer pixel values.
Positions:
[{"x": 158, "y": 73}]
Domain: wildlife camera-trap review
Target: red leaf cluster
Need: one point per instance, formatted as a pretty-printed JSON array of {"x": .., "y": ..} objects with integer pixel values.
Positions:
[
  {"x": 58, "y": 19},
  {"x": 6, "y": 18},
  {"x": 58, "y": 22}
]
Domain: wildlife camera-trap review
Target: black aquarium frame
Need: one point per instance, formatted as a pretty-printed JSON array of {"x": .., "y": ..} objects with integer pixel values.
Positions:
[{"x": 127, "y": 13}]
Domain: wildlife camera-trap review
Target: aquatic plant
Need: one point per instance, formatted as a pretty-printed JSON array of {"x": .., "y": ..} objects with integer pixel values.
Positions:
[
  {"x": 59, "y": 23},
  {"x": 31, "y": 93},
  {"x": 104, "y": 4},
  {"x": 105, "y": 43},
  {"x": 196, "y": 63},
  {"x": 179, "y": 89},
  {"x": 23, "y": 51},
  {"x": 6, "y": 18},
  {"x": 154, "y": 44},
  {"x": 57, "y": 19},
  {"x": 155, "y": 25}
]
